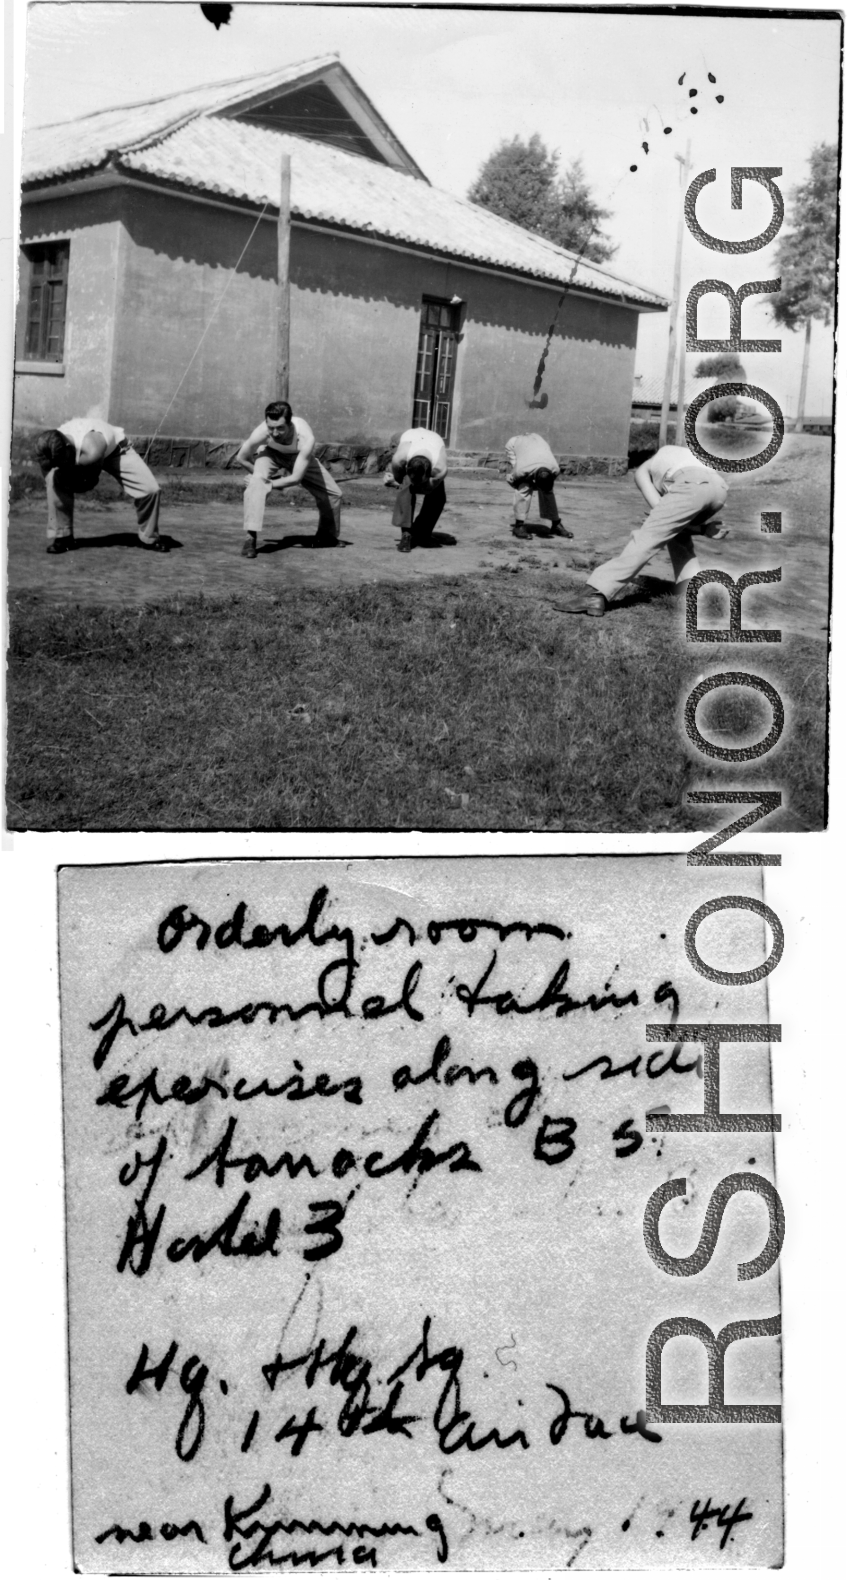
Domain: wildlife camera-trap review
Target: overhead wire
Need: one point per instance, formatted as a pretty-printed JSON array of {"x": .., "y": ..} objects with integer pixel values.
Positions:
[{"x": 211, "y": 320}]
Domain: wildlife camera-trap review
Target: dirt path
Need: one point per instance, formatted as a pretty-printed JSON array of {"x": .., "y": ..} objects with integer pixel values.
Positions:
[{"x": 108, "y": 568}]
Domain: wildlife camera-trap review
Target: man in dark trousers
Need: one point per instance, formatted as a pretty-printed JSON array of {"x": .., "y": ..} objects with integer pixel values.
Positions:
[
  {"x": 533, "y": 466},
  {"x": 418, "y": 466}
]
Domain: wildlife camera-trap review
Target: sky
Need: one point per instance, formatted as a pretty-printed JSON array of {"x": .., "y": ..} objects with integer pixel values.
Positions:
[{"x": 453, "y": 83}]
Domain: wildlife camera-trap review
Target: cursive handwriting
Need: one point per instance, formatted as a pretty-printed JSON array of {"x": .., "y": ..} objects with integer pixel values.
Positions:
[
  {"x": 242, "y": 1523},
  {"x": 593, "y": 1425},
  {"x": 366, "y": 1411},
  {"x": 724, "y": 1520},
  {"x": 553, "y": 996},
  {"x": 145, "y": 1532}
]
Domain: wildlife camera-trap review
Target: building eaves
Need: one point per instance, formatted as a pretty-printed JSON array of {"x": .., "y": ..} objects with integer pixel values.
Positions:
[{"x": 328, "y": 186}]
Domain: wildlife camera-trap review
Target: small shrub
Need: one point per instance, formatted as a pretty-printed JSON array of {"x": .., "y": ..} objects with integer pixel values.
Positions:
[{"x": 724, "y": 410}]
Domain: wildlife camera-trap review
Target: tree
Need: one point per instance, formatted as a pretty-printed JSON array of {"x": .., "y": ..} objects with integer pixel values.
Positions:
[
  {"x": 805, "y": 256},
  {"x": 520, "y": 181},
  {"x": 578, "y": 217},
  {"x": 727, "y": 369}
]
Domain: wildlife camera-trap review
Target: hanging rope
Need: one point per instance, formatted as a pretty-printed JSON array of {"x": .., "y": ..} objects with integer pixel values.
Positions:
[{"x": 196, "y": 350}]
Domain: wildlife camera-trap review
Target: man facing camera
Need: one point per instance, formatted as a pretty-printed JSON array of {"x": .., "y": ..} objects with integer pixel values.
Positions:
[
  {"x": 71, "y": 459},
  {"x": 418, "y": 468},
  {"x": 533, "y": 467},
  {"x": 280, "y": 453}
]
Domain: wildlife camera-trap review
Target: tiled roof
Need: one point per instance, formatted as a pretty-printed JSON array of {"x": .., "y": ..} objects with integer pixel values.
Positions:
[
  {"x": 648, "y": 390},
  {"x": 190, "y": 139},
  {"x": 89, "y": 140},
  {"x": 332, "y": 187}
]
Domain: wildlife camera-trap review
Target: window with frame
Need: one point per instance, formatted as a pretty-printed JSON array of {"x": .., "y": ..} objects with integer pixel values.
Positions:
[
  {"x": 47, "y": 267},
  {"x": 436, "y": 366}
]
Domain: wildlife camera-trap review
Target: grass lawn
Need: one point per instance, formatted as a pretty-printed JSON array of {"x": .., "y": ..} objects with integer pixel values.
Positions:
[{"x": 463, "y": 704}]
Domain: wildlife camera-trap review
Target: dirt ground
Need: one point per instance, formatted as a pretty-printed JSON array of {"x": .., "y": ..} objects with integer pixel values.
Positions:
[{"x": 204, "y": 532}]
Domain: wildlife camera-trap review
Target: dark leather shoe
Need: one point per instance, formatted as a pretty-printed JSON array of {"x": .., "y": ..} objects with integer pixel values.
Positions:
[
  {"x": 249, "y": 551},
  {"x": 586, "y": 602},
  {"x": 558, "y": 531},
  {"x": 60, "y": 546},
  {"x": 519, "y": 531},
  {"x": 405, "y": 544},
  {"x": 156, "y": 546}
]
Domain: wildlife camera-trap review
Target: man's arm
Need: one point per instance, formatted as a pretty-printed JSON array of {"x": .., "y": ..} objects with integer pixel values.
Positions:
[
  {"x": 396, "y": 470},
  {"x": 439, "y": 469},
  {"x": 92, "y": 451},
  {"x": 644, "y": 483},
  {"x": 246, "y": 454},
  {"x": 512, "y": 463},
  {"x": 305, "y": 451}
]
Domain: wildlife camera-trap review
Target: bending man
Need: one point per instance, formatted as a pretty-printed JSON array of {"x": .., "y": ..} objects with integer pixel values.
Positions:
[
  {"x": 280, "y": 453},
  {"x": 683, "y": 496},
  {"x": 72, "y": 457},
  {"x": 418, "y": 466},
  {"x": 532, "y": 465}
]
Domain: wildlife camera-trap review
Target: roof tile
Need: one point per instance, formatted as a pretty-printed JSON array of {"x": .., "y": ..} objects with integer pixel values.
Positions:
[
  {"x": 190, "y": 139},
  {"x": 333, "y": 187}
]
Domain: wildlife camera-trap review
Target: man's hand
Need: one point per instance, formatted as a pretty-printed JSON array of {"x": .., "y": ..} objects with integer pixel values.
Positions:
[{"x": 389, "y": 480}]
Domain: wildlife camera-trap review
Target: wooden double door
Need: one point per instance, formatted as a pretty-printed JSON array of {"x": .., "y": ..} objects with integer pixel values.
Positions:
[{"x": 435, "y": 372}]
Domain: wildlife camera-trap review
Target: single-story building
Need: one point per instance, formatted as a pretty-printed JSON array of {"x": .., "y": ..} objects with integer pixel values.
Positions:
[
  {"x": 148, "y": 287},
  {"x": 647, "y": 392}
]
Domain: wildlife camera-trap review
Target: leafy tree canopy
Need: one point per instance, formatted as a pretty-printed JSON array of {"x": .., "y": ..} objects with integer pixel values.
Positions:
[
  {"x": 805, "y": 255},
  {"x": 726, "y": 367},
  {"x": 520, "y": 181}
]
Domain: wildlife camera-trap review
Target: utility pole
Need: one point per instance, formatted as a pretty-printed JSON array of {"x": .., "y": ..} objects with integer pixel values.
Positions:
[
  {"x": 283, "y": 288},
  {"x": 804, "y": 379},
  {"x": 685, "y": 166},
  {"x": 680, "y": 395}
]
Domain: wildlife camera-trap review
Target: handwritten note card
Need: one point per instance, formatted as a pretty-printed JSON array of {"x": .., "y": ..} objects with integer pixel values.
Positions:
[{"x": 358, "y": 1156}]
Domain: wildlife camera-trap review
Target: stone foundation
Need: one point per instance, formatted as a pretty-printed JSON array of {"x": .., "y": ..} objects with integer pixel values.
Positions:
[{"x": 356, "y": 457}]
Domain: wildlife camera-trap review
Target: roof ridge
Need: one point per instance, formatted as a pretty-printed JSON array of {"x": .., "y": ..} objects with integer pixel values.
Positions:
[{"x": 178, "y": 93}]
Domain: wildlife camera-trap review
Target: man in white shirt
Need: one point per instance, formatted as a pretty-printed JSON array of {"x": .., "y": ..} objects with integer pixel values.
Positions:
[
  {"x": 72, "y": 457},
  {"x": 532, "y": 465},
  {"x": 280, "y": 454},
  {"x": 418, "y": 466},
  {"x": 683, "y": 496}
]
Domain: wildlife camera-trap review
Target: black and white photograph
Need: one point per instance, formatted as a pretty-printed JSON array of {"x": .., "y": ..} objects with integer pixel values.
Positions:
[
  {"x": 424, "y": 771},
  {"x": 396, "y": 390}
]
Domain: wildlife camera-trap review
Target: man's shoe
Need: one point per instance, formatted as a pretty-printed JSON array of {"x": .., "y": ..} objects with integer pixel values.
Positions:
[
  {"x": 558, "y": 531},
  {"x": 519, "y": 531},
  {"x": 586, "y": 602},
  {"x": 405, "y": 544},
  {"x": 323, "y": 540},
  {"x": 249, "y": 550},
  {"x": 155, "y": 546},
  {"x": 60, "y": 546}
]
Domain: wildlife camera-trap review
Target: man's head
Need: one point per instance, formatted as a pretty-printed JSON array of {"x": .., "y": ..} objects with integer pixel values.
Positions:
[
  {"x": 419, "y": 471},
  {"x": 544, "y": 479},
  {"x": 278, "y": 416},
  {"x": 54, "y": 450}
]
